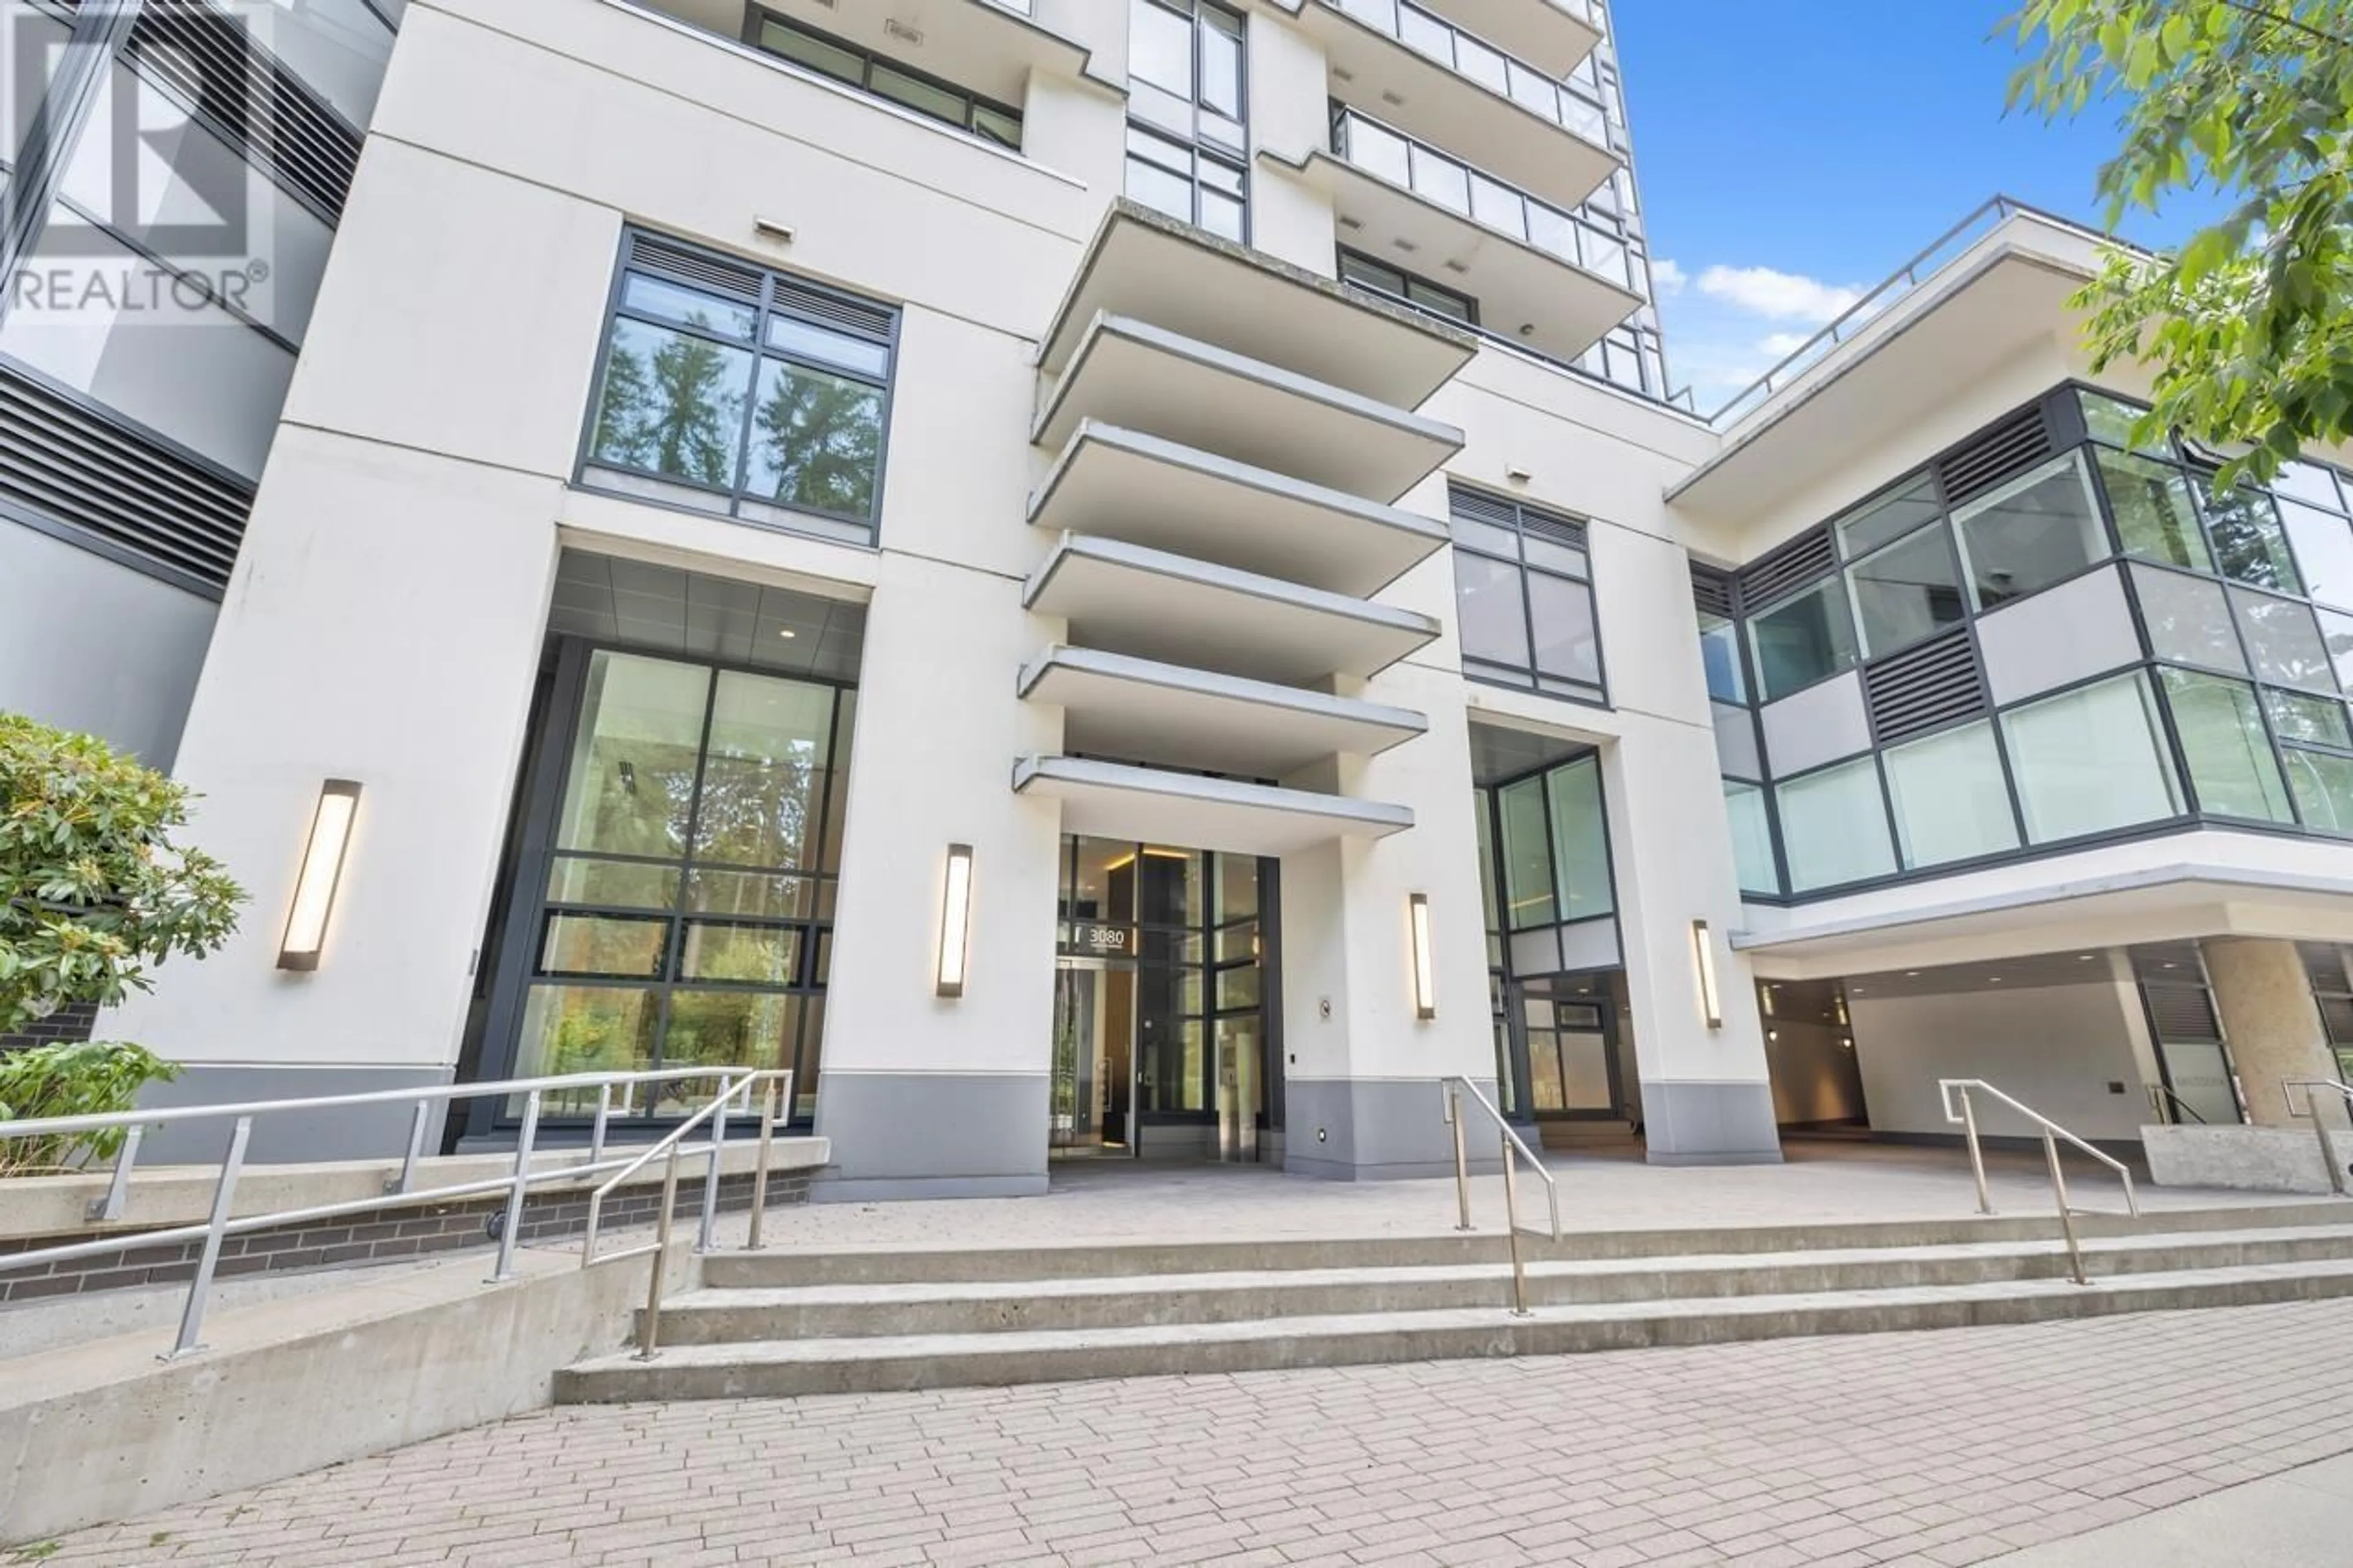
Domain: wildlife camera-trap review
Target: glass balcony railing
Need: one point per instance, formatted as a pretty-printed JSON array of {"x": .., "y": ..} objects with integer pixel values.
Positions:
[
  {"x": 1458, "y": 187},
  {"x": 1482, "y": 63},
  {"x": 1018, "y": 8}
]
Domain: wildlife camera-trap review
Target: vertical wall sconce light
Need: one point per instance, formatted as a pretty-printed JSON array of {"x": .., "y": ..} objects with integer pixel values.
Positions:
[
  {"x": 322, "y": 869},
  {"x": 956, "y": 918},
  {"x": 1424, "y": 986},
  {"x": 1704, "y": 973}
]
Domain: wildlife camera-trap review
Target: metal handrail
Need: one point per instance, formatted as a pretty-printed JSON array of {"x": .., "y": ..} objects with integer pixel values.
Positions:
[
  {"x": 2162, "y": 1095},
  {"x": 2052, "y": 1132},
  {"x": 767, "y": 1080},
  {"x": 1451, "y": 1092},
  {"x": 400, "y": 1191},
  {"x": 2327, "y": 1151},
  {"x": 1879, "y": 300}
]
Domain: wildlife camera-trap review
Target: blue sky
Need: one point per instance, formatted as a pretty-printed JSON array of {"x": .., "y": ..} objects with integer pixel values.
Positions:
[{"x": 1792, "y": 153}]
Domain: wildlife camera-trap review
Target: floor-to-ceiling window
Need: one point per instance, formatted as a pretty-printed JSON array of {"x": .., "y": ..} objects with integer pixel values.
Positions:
[{"x": 674, "y": 864}]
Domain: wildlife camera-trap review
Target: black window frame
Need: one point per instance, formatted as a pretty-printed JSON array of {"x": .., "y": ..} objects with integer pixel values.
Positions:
[
  {"x": 1492, "y": 510},
  {"x": 779, "y": 295},
  {"x": 1196, "y": 14},
  {"x": 759, "y": 18},
  {"x": 1406, "y": 282}
]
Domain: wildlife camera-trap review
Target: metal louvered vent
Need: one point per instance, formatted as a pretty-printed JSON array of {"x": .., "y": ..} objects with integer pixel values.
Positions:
[
  {"x": 652, "y": 252},
  {"x": 1924, "y": 687},
  {"x": 2324, "y": 964},
  {"x": 1471, "y": 506},
  {"x": 1713, "y": 592},
  {"x": 2337, "y": 1019},
  {"x": 58, "y": 460},
  {"x": 2002, "y": 453},
  {"x": 1795, "y": 564},
  {"x": 1559, "y": 529},
  {"x": 2182, "y": 1012},
  {"x": 819, "y": 305},
  {"x": 207, "y": 57}
]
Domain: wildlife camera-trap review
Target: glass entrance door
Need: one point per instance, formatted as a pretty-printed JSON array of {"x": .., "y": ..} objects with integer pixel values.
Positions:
[
  {"x": 1094, "y": 1110},
  {"x": 1572, "y": 1050}
]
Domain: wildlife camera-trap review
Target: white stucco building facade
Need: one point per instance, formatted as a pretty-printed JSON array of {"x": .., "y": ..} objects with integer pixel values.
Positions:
[{"x": 1205, "y": 471}]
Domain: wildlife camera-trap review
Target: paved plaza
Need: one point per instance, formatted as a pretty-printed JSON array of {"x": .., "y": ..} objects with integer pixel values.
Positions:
[{"x": 1935, "y": 1449}]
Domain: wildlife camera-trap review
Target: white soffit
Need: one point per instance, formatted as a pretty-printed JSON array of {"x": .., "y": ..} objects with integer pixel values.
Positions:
[
  {"x": 1965, "y": 323},
  {"x": 1124, "y": 707},
  {"x": 1148, "y": 604},
  {"x": 1112, "y": 800},
  {"x": 1394, "y": 82},
  {"x": 1145, "y": 265},
  {"x": 1130, "y": 373},
  {"x": 1115, "y": 483},
  {"x": 1526, "y": 295}
]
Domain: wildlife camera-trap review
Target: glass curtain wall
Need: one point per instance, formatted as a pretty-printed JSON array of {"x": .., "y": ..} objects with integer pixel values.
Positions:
[
  {"x": 1550, "y": 907},
  {"x": 683, "y": 907},
  {"x": 2224, "y": 700}
]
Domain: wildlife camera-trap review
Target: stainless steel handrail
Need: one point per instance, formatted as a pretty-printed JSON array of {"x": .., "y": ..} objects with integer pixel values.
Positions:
[
  {"x": 2052, "y": 1132},
  {"x": 767, "y": 1080},
  {"x": 399, "y": 1191},
  {"x": 1451, "y": 1092},
  {"x": 2328, "y": 1149}
]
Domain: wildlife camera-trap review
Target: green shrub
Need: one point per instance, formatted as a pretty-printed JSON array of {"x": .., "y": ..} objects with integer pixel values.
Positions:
[
  {"x": 93, "y": 893},
  {"x": 79, "y": 1077}
]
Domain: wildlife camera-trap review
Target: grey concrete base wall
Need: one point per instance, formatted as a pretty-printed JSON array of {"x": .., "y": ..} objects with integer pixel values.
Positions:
[
  {"x": 2247, "y": 1159},
  {"x": 1374, "y": 1128},
  {"x": 110, "y": 1434},
  {"x": 931, "y": 1135},
  {"x": 352, "y": 1133},
  {"x": 1700, "y": 1123}
]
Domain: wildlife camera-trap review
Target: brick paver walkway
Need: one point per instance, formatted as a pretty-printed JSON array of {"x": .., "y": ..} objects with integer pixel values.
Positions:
[{"x": 1928, "y": 1449}]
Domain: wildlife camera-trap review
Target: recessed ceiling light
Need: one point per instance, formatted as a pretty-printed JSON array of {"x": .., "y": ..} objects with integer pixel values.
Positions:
[
  {"x": 2082, "y": 958},
  {"x": 1911, "y": 974},
  {"x": 786, "y": 632},
  {"x": 1993, "y": 979}
]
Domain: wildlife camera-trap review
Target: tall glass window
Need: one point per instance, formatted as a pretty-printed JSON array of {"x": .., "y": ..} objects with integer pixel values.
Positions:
[
  {"x": 1187, "y": 142},
  {"x": 728, "y": 389},
  {"x": 1752, "y": 838},
  {"x": 1555, "y": 844},
  {"x": 687, "y": 915},
  {"x": 1523, "y": 597}
]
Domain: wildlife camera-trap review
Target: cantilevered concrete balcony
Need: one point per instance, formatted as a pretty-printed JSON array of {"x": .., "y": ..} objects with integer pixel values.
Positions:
[
  {"x": 1539, "y": 275},
  {"x": 1992, "y": 288},
  {"x": 1120, "y": 484},
  {"x": 1149, "y": 604},
  {"x": 1152, "y": 268},
  {"x": 1118, "y": 706},
  {"x": 988, "y": 47},
  {"x": 1438, "y": 81},
  {"x": 1115, "y": 800},
  {"x": 1123, "y": 372},
  {"x": 1554, "y": 35}
]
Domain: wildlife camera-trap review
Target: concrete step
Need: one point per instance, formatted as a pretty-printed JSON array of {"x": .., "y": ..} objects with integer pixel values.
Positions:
[
  {"x": 737, "y": 1314},
  {"x": 886, "y": 1265},
  {"x": 780, "y": 1368}
]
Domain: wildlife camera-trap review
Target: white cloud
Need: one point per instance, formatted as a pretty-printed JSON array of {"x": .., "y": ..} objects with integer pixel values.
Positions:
[
  {"x": 1777, "y": 296},
  {"x": 1781, "y": 345},
  {"x": 1666, "y": 278}
]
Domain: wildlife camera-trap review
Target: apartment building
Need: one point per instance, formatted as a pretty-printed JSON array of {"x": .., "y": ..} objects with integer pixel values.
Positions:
[{"x": 1118, "y": 578}]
